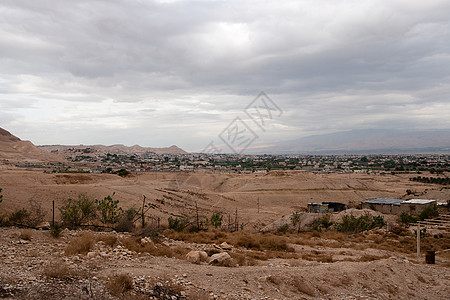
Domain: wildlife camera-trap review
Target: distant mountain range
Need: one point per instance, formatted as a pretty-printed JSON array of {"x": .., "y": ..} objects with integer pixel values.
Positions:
[
  {"x": 368, "y": 141},
  {"x": 115, "y": 149},
  {"x": 13, "y": 148}
]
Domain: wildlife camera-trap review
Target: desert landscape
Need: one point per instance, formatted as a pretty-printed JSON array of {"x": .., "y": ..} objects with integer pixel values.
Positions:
[{"x": 266, "y": 246}]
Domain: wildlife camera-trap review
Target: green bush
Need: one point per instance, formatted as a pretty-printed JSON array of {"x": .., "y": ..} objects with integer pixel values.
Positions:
[
  {"x": 19, "y": 217},
  {"x": 428, "y": 212},
  {"x": 406, "y": 219},
  {"x": 365, "y": 222},
  {"x": 78, "y": 212},
  {"x": 283, "y": 229},
  {"x": 110, "y": 213},
  {"x": 178, "y": 223},
  {"x": 324, "y": 222},
  {"x": 123, "y": 173},
  {"x": 216, "y": 219},
  {"x": 55, "y": 230},
  {"x": 126, "y": 221}
]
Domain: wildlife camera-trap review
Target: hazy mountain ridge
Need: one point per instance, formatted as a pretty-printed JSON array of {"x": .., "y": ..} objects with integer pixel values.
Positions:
[
  {"x": 369, "y": 141},
  {"x": 116, "y": 149}
]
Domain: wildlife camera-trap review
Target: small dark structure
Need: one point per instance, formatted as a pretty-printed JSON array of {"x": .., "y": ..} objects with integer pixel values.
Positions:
[
  {"x": 326, "y": 207},
  {"x": 430, "y": 257}
]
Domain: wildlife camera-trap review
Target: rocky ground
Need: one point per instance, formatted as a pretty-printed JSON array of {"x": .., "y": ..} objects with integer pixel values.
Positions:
[{"x": 34, "y": 265}]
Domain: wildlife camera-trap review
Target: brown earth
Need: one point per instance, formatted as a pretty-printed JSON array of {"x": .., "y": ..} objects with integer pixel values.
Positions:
[
  {"x": 330, "y": 265},
  {"x": 177, "y": 193}
]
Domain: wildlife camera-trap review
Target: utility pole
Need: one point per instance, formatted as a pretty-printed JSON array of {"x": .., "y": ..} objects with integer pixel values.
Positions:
[
  {"x": 258, "y": 205},
  {"x": 143, "y": 213},
  {"x": 418, "y": 239},
  {"x": 53, "y": 223}
]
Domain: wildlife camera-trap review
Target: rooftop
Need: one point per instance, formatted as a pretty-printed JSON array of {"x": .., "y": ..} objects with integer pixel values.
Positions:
[
  {"x": 384, "y": 201},
  {"x": 419, "y": 201}
]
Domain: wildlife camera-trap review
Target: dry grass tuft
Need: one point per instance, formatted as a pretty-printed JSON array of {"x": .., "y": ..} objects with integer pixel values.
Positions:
[
  {"x": 242, "y": 259},
  {"x": 26, "y": 234},
  {"x": 118, "y": 284},
  {"x": 109, "y": 239},
  {"x": 318, "y": 256},
  {"x": 80, "y": 245},
  {"x": 57, "y": 269},
  {"x": 300, "y": 285},
  {"x": 134, "y": 244}
]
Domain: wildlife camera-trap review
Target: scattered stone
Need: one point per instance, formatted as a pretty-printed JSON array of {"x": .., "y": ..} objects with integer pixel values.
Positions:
[
  {"x": 219, "y": 258},
  {"x": 196, "y": 257}
]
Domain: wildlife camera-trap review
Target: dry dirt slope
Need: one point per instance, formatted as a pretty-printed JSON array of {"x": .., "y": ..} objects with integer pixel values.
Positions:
[
  {"x": 177, "y": 193},
  {"x": 31, "y": 269}
]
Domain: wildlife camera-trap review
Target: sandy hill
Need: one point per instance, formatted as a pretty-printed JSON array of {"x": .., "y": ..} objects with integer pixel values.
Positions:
[
  {"x": 116, "y": 149},
  {"x": 13, "y": 148}
]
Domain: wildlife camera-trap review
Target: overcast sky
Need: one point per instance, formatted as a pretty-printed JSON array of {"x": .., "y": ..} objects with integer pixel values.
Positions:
[{"x": 158, "y": 73}]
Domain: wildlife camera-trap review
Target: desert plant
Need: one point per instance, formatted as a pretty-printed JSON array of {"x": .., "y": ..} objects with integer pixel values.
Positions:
[
  {"x": 55, "y": 230},
  {"x": 78, "y": 212},
  {"x": 80, "y": 245},
  {"x": 323, "y": 222},
  {"x": 57, "y": 269},
  {"x": 406, "y": 218},
  {"x": 429, "y": 211},
  {"x": 365, "y": 222},
  {"x": 283, "y": 228},
  {"x": 126, "y": 221},
  {"x": 118, "y": 284},
  {"x": 26, "y": 234},
  {"x": 110, "y": 213},
  {"x": 1, "y": 196},
  {"x": 177, "y": 223},
  {"x": 216, "y": 219},
  {"x": 18, "y": 217},
  {"x": 123, "y": 173}
]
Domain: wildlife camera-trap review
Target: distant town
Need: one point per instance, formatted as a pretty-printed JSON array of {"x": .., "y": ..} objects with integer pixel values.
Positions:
[{"x": 89, "y": 160}]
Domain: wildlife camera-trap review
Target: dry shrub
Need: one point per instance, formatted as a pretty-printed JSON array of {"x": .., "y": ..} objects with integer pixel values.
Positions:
[
  {"x": 109, "y": 239},
  {"x": 134, "y": 244},
  {"x": 26, "y": 234},
  {"x": 242, "y": 259},
  {"x": 368, "y": 257},
  {"x": 80, "y": 245},
  {"x": 318, "y": 256},
  {"x": 300, "y": 285},
  {"x": 275, "y": 279},
  {"x": 57, "y": 269},
  {"x": 118, "y": 284},
  {"x": 281, "y": 254}
]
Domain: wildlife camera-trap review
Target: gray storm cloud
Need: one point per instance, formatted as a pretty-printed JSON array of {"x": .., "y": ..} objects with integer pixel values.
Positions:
[{"x": 158, "y": 73}]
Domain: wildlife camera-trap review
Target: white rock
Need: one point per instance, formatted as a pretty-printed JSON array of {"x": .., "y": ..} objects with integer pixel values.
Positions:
[
  {"x": 196, "y": 256},
  {"x": 219, "y": 258}
]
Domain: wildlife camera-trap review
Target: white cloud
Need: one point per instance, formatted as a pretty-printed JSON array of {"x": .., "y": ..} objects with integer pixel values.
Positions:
[{"x": 111, "y": 71}]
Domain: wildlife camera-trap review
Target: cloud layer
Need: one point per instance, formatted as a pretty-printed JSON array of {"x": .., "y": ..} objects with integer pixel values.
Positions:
[{"x": 158, "y": 73}]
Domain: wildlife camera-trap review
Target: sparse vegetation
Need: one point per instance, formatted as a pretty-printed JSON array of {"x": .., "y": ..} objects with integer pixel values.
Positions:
[
  {"x": 80, "y": 245},
  {"x": 216, "y": 219},
  {"x": 55, "y": 230},
  {"x": 178, "y": 223},
  {"x": 25, "y": 234},
  {"x": 365, "y": 222},
  {"x": 118, "y": 284},
  {"x": 57, "y": 269},
  {"x": 110, "y": 213},
  {"x": 78, "y": 212}
]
